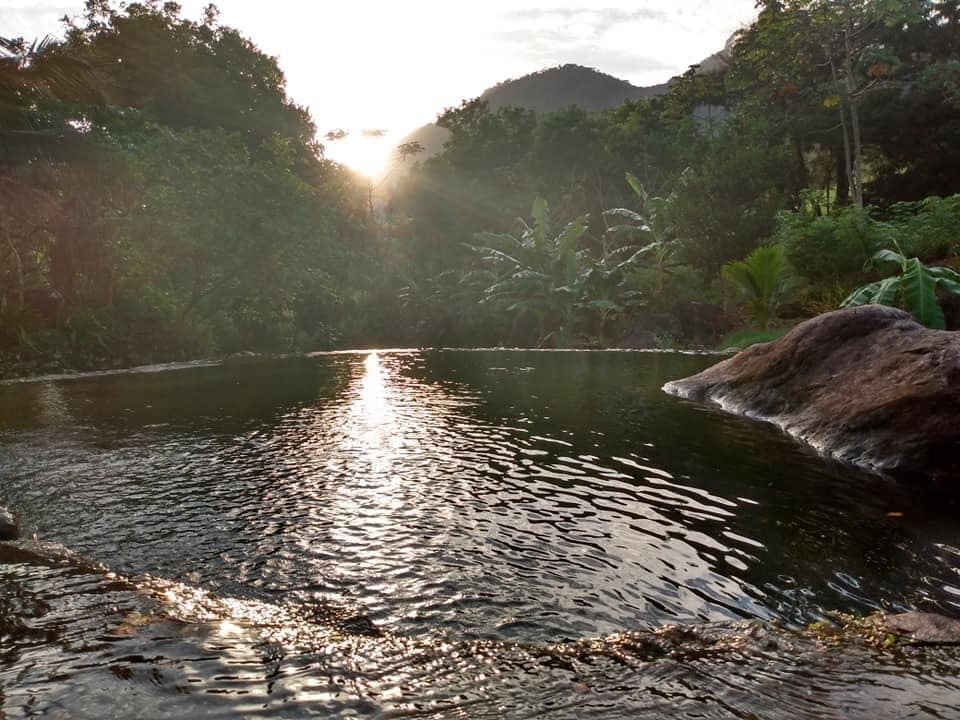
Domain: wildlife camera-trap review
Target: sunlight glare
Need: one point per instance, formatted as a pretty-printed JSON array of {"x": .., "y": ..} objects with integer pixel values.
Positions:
[
  {"x": 369, "y": 156},
  {"x": 373, "y": 392}
]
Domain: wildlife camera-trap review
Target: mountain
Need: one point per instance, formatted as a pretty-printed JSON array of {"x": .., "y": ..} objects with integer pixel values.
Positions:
[
  {"x": 547, "y": 91},
  {"x": 560, "y": 87}
]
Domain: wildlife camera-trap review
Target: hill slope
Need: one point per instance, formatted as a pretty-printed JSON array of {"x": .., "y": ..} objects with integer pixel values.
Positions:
[
  {"x": 547, "y": 91},
  {"x": 560, "y": 87}
]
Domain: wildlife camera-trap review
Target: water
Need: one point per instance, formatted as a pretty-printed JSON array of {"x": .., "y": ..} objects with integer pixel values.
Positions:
[{"x": 440, "y": 534}]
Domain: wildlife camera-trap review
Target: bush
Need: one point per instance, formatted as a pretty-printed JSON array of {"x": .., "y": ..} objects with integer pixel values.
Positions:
[
  {"x": 929, "y": 229},
  {"x": 824, "y": 248}
]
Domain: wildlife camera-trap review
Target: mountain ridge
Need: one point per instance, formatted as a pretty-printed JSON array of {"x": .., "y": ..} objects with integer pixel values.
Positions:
[{"x": 548, "y": 90}]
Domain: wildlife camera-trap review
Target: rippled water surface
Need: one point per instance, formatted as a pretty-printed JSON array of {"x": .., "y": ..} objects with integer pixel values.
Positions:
[{"x": 438, "y": 534}]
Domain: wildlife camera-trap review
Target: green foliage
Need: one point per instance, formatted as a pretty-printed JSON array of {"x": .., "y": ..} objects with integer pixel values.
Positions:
[
  {"x": 914, "y": 289},
  {"x": 192, "y": 215},
  {"x": 654, "y": 227},
  {"x": 930, "y": 228},
  {"x": 728, "y": 204},
  {"x": 745, "y": 337},
  {"x": 554, "y": 279},
  {"x": 177, "y": 203},
  {"x": 824, "y": 248},
  {"x": 536, "y": 272},
  {"x": 763, "y": 280}
]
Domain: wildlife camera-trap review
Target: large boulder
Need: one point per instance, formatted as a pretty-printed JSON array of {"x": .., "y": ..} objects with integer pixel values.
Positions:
[{"x": 867, "y": 385}]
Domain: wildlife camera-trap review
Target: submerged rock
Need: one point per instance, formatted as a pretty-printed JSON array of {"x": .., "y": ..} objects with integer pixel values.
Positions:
[
  {"x": 867, "y": 385},
  {"x": 8, "y": 525}
]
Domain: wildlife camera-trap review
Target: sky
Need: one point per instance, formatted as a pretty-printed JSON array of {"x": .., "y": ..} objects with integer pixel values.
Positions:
[{"x": 381, "y": 64}]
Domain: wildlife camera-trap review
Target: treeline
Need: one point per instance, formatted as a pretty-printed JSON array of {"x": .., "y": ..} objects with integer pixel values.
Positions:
[
  {"x": 161, "y": 198},
  {"x": 827, "y": 118}
]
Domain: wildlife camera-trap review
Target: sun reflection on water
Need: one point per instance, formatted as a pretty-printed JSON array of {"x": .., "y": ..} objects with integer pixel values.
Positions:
[{"x": 374, "y": 487}]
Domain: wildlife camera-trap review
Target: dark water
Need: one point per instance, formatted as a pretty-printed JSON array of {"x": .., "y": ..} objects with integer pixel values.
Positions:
[{"x": 409, "y": 534}]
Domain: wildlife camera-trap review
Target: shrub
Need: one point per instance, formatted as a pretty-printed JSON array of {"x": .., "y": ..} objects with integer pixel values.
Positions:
[
  {"x": 824, "y": 248},
  {"x": 929, "y": 229}
]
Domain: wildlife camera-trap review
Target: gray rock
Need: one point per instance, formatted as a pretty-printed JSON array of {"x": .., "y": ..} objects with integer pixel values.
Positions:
[
  {"x": 867, "y": 385},
  {"x": 926, "y": 628},
  {"x": 8, "y": 525}
]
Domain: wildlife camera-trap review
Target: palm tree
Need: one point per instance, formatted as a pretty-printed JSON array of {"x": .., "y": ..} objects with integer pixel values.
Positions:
[
  {"x": 763, "y": 279},
  {"x": 31, "y": 75}
]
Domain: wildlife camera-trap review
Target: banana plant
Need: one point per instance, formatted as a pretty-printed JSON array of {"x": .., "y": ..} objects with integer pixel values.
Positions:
[
  {"x": 605, "y": 286},
  {"x": 653, "y": 226},
  {"x": 537, "y": 273},
  {"x": 914, "y": 289}
]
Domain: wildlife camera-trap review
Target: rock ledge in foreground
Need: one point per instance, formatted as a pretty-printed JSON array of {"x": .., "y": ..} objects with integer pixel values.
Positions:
[{"x": 866, "y": 385}]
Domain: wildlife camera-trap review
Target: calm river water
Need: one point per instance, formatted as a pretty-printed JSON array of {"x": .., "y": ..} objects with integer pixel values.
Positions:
[{"x": 415, "y": 534}]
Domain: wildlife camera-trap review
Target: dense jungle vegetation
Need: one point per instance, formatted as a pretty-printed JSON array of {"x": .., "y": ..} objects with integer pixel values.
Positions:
[{"x": 162, "y": 198}]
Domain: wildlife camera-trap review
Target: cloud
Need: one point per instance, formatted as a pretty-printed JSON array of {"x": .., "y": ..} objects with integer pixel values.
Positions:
[
  {"x": 606, "y": 38},
  {"x": 32, "y": 21},
  {"x": 598, "y": 19}
]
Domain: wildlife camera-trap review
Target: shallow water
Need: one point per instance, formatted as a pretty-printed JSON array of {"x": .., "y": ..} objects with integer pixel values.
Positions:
[{"x": 470, "y": 507}]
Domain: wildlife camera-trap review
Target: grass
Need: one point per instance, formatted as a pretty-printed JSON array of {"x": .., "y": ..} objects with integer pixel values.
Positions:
[{"x": 745, "y": 337}]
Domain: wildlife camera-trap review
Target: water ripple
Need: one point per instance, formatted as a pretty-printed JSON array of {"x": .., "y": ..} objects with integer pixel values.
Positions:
[{"x": 460, "y": 497}]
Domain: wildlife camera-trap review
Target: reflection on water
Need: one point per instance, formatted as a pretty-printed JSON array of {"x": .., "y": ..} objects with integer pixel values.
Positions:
[{"x": 377, "y": 529}]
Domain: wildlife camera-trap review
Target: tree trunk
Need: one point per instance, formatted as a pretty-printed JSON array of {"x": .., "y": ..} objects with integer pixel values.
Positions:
[
  {"x": 847, "y": 155},
  {"x": 843, "y": 180},
  {"x": 856, "y": 176},
  {"x": 18, "y": 266}
]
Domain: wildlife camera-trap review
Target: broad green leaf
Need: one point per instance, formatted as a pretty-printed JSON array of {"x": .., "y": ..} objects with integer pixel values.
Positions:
[
  {"x": 601, "y": 304},
  {"x": 947, "y": 278},
  {"x": 949, "y": 285},
  {"x": 637, "y": 187},
  {"x": 567, "y": 240},
  {"x": 887, "y": 291},
  {"x": 919, "y": 295},
  {"x": 944, "y": 272},
  {"x": 890, "y": 256},
  {"x": 625, "y": 213},
  {"x": 864, "y": 295}
]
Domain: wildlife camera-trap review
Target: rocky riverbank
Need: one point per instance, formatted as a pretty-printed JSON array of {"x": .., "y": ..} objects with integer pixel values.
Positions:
[{"x": 866, "y": 385}]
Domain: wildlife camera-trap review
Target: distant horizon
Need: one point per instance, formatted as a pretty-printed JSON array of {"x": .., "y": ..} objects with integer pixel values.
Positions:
[{"x": 397, "y": 68}]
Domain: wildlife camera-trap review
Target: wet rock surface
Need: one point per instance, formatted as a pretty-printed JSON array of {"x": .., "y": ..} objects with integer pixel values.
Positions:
[
  {"x": 925, "y": 628},
  {"x": 9, "y": 530},
  {"x": 866, "y": 385},
  {"x": 154, "y": 647}
]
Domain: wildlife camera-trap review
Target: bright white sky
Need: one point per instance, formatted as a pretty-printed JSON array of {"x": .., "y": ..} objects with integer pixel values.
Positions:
[{"x": 396, "y": 65}]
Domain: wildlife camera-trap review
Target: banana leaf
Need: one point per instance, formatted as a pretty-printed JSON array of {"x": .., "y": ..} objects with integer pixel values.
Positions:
[{"x": 919, "y": 295}]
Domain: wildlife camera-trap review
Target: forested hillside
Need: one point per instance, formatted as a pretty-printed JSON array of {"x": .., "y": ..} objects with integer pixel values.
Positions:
[
  {"x": 162, "y": 198},
  {"x": 546, "y": 91},
  {"x": 828, "y": 135}
]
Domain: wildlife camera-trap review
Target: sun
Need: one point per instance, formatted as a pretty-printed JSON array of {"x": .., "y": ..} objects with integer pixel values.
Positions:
[{"x": 366, "y": 153}]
